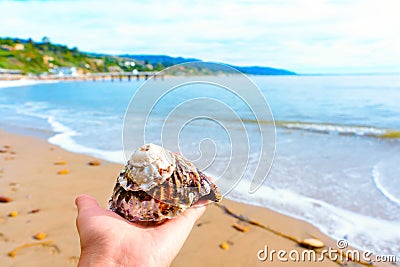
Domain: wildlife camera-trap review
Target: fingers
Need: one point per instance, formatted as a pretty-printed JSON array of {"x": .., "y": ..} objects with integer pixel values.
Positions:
[
  {"x": 86, "y": 202},
  {"x": 194, "y": 213}
]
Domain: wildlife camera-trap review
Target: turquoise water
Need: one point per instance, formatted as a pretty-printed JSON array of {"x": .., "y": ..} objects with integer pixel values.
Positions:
[{"x": 333, "y": 167}]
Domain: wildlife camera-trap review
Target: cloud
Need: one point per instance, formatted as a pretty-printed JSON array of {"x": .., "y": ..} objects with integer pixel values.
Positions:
[{"x": 304, "y": 35}]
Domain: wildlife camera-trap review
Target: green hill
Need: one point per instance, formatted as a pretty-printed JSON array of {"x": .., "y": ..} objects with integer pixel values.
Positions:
[
  {"x": 45, "y": 57},
  {"x": 42, "y": 57}
]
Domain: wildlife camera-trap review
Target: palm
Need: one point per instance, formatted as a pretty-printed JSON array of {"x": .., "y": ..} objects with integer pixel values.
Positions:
[{"x": 105, "y": 234}]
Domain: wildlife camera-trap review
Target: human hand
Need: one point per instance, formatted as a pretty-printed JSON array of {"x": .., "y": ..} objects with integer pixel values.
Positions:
[{"x": 107, "y": 239}]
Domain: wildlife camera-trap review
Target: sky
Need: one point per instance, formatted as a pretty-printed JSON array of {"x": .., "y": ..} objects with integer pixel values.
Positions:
[{"x": 305, "y": 36}]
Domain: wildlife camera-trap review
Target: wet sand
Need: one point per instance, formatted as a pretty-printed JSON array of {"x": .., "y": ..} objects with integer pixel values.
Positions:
[{"x": 42, "y": 201}]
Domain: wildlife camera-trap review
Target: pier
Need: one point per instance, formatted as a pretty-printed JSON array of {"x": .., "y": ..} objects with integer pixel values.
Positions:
[
  {"x": 120, "y": 76},
  {"x": 107, "y": 76},
  {"x": 102, "y": 76}
]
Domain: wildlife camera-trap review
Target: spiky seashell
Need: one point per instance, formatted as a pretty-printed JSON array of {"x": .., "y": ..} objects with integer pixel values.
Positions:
[{"x": 158, "y": 184}]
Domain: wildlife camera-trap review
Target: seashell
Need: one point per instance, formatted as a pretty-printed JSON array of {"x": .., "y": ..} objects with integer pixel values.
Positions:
[
  {"x": 61, "y": 162},
  {"x": 224, "y": 245},
  {"x": 13, "y": 214},
  {"x": 40, "y": 236},
  {"x": 158, "y": 184},
  {"x": 94, "y": 163},
  {"x": 311, "y": 243},
  {"x": 5, "y": 199},
  {"x": 34, "y": 211},
  {"x": 241, "y": 228},
  {"x": 62, "y": 172}
]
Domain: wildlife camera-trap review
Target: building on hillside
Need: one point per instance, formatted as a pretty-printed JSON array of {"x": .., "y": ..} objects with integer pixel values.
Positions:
[
  {"x": 19, "y": 47},
  {"x": 7, "y": 71},
  {"x": 65, "y": 71},
  {"x": 16, "y": 47},
  {"x": 114, "y": 69},
  {"x": 6, "y": 47},
  {"x": 98, "y": 62},
  {"x": 47, "y": 59},
  {"x": 149, "y": 66},
  {"x": 6, "y": 74},
  {"x": 129, "y": 63}
]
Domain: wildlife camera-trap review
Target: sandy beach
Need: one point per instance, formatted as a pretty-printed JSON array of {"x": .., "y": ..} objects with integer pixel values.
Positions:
[
  {"x": 42, "y": 201},
  {"x": 21, "y": 82}
]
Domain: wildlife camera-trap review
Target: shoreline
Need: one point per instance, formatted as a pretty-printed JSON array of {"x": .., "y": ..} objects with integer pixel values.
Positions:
[
  {"x": 22, "y": 82},
  {"x": 37, "y": 186}
]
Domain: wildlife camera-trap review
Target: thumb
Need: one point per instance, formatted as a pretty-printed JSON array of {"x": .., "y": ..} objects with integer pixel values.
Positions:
[
  {"x": 193, "y": 213},
  {"x": 86, "y": 202}
]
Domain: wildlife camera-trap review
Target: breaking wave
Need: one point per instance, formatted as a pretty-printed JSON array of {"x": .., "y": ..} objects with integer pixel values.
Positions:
[{"x": 328, "y": 128}]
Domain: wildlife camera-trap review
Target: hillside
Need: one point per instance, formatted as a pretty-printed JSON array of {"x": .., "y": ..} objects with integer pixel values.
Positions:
[
  {"x": 257, "y": 70},
  {"x": 169, "y": 61},
  {"x": 43, "y": 57},
  {"x": 31, "y": 57}
]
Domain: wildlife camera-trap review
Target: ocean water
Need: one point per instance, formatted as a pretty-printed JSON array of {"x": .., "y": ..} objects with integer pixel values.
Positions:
[{"x": 333, "y": 165}]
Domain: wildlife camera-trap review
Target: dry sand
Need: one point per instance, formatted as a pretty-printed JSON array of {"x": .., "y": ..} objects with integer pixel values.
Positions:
[{"x": 29, "y": 177}]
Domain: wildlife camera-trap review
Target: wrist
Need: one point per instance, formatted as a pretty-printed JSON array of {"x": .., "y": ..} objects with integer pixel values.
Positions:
[
  {"x": 89, "y": 259},
  {"x": 93, "y": 258}
]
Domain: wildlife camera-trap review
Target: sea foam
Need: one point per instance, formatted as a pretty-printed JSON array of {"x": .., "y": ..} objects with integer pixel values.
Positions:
[
  {"x": 21, "y": 83},
  {"x": 377, "y": 178},
  {"x": 64, "y": 138},
  {"x": 363, "y": 232}
]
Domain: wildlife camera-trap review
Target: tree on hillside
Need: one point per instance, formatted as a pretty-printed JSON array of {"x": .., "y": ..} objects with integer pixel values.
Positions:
[{"x": 45, "y": 40}]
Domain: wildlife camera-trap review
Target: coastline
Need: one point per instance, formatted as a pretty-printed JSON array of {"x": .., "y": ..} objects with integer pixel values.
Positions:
[
  {"x": 37, "y": 186},
  {"x": 21, "y": 82}
]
